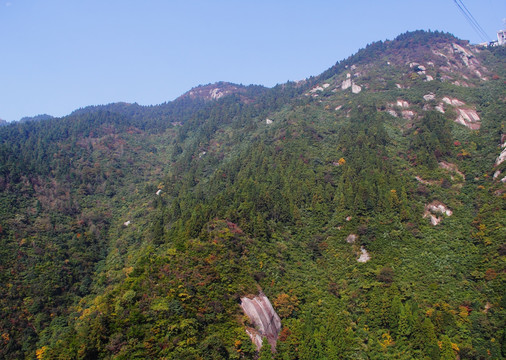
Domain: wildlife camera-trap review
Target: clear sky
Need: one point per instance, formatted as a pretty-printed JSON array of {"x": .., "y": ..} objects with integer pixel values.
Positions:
[{"x": 60, "y": 55}]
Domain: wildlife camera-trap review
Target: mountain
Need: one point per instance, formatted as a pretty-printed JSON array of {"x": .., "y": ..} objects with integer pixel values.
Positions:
[
  {"x": 357, "y": 214},
  {"x": 40, "y": 117}
]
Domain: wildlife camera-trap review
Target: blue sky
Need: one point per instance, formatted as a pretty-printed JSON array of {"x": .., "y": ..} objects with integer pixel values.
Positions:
[{"x": 60, "y": 55}]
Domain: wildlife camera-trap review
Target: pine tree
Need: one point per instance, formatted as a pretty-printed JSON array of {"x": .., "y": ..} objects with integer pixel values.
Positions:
[
  {"x": 405, "y": 321},
  {"x": 265, "y": 352},
  {"x": 446, "y": 349}
]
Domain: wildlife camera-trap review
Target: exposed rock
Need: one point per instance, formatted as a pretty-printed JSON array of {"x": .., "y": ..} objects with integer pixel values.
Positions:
[
  {"x": 263, "y": 317},
  {"x": 434, "y": 220},
  {"x": 126, "y": 223},
  {"x": 403, "y": 104},
  {"x": 216, "y": 94},
  {"x": 268, "y": 121},
  {"x": 338, "y": 107},
  {"x": 325, "y": 86},
  {"x": 462, "y": 50},
  {"x": 392, "y": 112},
  {"x": 425, "y": 182},
  {"x": 454, "y": 102},
  {"x": 440, "y": 108},
  {"x": 469, "y": 118},
  {"x": 429, "y": 78},
  {"x": 501, "y": 157},
  {"x": 346, "y": 84},
  {"x": 429, "y": 97},
  {"x": 351, "y": 238},
  {"x": 496, "y": 174},
  {"x": 436, "y": 207},
  {"x": 451, "y": 167},
  {"x": 399, "y": 86},
  {"x": 408, "y": 114},
  {"x": 466, "y": 117},
  {"x": 315, "y": 89},
  {"x": 355, "y": 88},
  {"x": 364, "y": 255},
  {"x": 159, "y": 192}
]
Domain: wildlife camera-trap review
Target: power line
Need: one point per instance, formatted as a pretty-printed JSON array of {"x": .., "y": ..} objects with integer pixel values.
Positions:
[{"x": 471, "y": 19}]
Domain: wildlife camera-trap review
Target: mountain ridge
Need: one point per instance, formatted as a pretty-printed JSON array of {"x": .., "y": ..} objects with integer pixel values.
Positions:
[{"x": 135, "y": 231}]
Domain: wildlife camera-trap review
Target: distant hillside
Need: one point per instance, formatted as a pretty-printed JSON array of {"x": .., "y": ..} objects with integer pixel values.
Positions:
[
  {"x": 357, "y": 214},
  {"x": 40, "y": 117}
]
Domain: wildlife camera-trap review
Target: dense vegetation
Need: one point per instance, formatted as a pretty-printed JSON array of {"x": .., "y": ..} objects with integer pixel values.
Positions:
[{"x": 132, "y": 232}]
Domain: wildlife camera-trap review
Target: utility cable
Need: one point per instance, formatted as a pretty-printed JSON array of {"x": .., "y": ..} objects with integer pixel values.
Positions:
[{"x": 472, "y": 21}]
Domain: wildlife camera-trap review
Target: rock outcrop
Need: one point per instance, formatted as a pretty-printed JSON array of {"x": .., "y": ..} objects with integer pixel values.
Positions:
[
  {"x": 364, "y": 255},
  {"x": 434, "y": 208},
  {"x": 264, "y": 319}
]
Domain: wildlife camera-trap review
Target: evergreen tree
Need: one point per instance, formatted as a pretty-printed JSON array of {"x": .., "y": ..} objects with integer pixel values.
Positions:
[{"x": 446, "y": 349}]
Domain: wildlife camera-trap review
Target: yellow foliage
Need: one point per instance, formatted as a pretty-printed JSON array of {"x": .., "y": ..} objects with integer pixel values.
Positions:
[
  {"x": 128, "y": 270},
  {"x": 40, "y": 352},
  {"x": 341, "y": 161},
  {"x": 387, "y": 340}
]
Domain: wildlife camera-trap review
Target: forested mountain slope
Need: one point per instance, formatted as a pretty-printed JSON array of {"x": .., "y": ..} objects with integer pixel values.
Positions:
[{"x": 367, "y": 203}]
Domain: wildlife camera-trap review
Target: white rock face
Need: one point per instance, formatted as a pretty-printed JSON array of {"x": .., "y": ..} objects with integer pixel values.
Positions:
[
  {"x": 402, "y": 103},
  {"x": 315, "y": 89},
  {"x": 325, "y": 86},
  {"x": 496, "y": 174},
  {"x": 346, "y": 84},
  {"x": 429, "y": 97},
  {"x": 216, "y": 94},
  {"x": 159, "y": 192},
  {"x": 364, "y": 256},
  {"x": 263, "y": 317},
  {"x": 126, "y": 223},
  {"x": 408, "y": 114},
  {"x": 355, "y": 88},
  {"x": 440, "y": 108},
  {"x": 351, "y": 238},
  {"x": 454, "y": 102},
  {"x": 429, "y": 78},
  {"x": 469, "y": 118},
  {"x": 434, "y": 208},
  {"x": 501, "y": 158},
  {"x": 268, "y": 121},
  {"x": 462, "y": 50},
  {"x": 392, "y": 112}
]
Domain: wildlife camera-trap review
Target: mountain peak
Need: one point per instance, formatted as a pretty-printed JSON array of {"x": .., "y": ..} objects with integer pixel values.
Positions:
[{"x": 213, "y": 91}]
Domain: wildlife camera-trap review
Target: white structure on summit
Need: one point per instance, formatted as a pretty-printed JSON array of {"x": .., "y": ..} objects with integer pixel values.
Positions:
[{"x": 501, "y": 37}]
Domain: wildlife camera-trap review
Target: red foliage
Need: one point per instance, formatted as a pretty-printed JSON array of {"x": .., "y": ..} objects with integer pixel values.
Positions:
[{"x": 284, "y": 334}]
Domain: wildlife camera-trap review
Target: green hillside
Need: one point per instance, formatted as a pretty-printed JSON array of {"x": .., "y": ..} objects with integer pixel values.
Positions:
[{"x": 367, "y": 203}]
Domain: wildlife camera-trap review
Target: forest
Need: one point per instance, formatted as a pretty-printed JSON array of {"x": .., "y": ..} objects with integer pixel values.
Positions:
[{"x": 372, "y": 219}]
